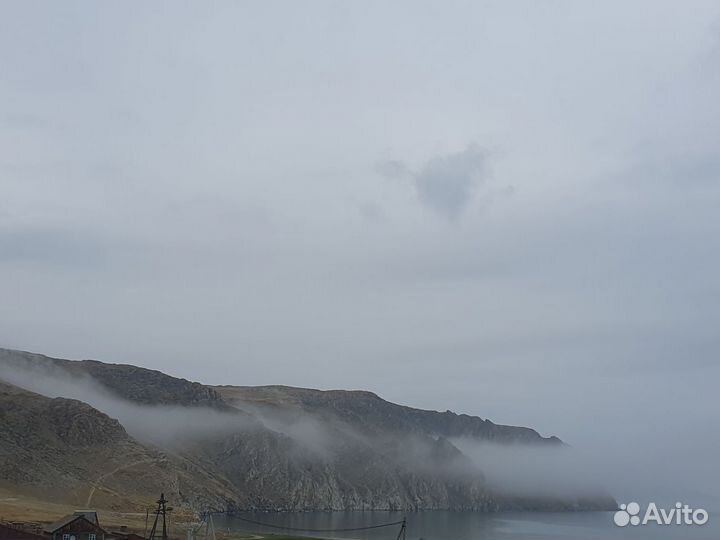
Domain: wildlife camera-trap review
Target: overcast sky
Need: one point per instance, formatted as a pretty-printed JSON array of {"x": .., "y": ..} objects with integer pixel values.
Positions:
[{"x": 503, "y": 208}]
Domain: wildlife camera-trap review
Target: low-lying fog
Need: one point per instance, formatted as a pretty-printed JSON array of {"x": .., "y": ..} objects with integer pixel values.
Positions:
[
  {"x": 167, "y": 425},
  {"x": 512, "y": 469},
  {"x": 157, "y": 424}
]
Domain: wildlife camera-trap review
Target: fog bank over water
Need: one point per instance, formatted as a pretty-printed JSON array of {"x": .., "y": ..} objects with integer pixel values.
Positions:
[{"x": 644, "y": 474}]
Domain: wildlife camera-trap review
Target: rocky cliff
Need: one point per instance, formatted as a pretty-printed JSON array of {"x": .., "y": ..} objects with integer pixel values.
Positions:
[
  {"x": 370, "y": 412},
  {"x": 273, "y": 447}
]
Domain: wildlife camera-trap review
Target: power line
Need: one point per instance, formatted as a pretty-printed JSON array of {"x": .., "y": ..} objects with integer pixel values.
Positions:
[{"x": 352, "y": 529}]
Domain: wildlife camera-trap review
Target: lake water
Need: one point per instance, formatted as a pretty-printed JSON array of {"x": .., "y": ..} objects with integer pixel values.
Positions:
[{"x": 440, "y": 525}]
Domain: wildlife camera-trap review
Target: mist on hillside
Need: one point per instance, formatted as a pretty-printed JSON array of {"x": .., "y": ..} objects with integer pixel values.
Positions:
[
  {"x": 157, "y": 424},
  {"x": 513, "y": 470}
]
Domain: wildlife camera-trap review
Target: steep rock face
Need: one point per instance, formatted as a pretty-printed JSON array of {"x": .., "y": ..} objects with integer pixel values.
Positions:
[
  {"x": 275, "y": 447},
  {"x": 79, "y": 425},
  {"x": 41, "y": 437},
  {"x": 148, "y": 386},
  {"x": 31, "y": 419},
  {"x": 369, "y": 411},
  {"x": 278, "y": 473},
  {"x": 136, "y": 384},
  {"x": 65, "y": 450}
]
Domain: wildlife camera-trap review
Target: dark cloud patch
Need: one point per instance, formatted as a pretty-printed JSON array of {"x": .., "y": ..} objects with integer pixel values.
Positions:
[{"x": 446, "y": 184}]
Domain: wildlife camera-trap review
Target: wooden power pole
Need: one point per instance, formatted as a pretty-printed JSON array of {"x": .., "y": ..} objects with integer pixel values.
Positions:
[{"x": 161, "y": 511}]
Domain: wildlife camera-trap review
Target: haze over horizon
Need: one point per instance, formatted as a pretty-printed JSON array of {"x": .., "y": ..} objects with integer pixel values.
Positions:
[{"x": 506, "y": 210}]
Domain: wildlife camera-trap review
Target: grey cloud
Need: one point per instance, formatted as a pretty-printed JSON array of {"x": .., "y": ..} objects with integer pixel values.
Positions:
[{"x": 447, "y": 184}]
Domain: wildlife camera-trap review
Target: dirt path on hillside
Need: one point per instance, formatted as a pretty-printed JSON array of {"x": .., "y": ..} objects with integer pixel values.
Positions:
[{"x": 98, "y": 482}]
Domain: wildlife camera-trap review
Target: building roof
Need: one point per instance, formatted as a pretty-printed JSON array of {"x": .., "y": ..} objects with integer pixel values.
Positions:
[
  {"x": 90, "y": 515},
  {"x": 87, "y": 515}
]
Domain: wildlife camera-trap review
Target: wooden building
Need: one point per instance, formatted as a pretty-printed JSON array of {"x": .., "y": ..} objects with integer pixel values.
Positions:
[{"x": 83, "y": 525}]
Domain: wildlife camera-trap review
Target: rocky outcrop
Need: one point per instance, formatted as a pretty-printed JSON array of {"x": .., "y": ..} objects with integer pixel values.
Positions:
[
  {"x": 66, "y": 451},
  {"x": 276, "y": 472},
  {"x": 368, "y": 411},
  {"x": 77, "y": 424},
  {"x": 136, "y": 384},
  {"x": 272, "y": 447}
]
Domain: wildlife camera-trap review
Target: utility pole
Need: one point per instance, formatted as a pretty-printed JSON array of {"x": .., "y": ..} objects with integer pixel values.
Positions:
[
  {"x": 403, "y": 529},
  {"x": 162, "y": 510}
]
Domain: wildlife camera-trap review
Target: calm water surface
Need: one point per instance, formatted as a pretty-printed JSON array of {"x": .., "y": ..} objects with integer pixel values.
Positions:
[{"x": 441, "y": 525}]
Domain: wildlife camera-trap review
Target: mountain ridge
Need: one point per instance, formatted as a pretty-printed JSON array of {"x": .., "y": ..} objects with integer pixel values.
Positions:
[
  {"x": 160, "y": 388},
  {"x": 447, "y": 423},
  {"x": 270, "y": 448}
]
